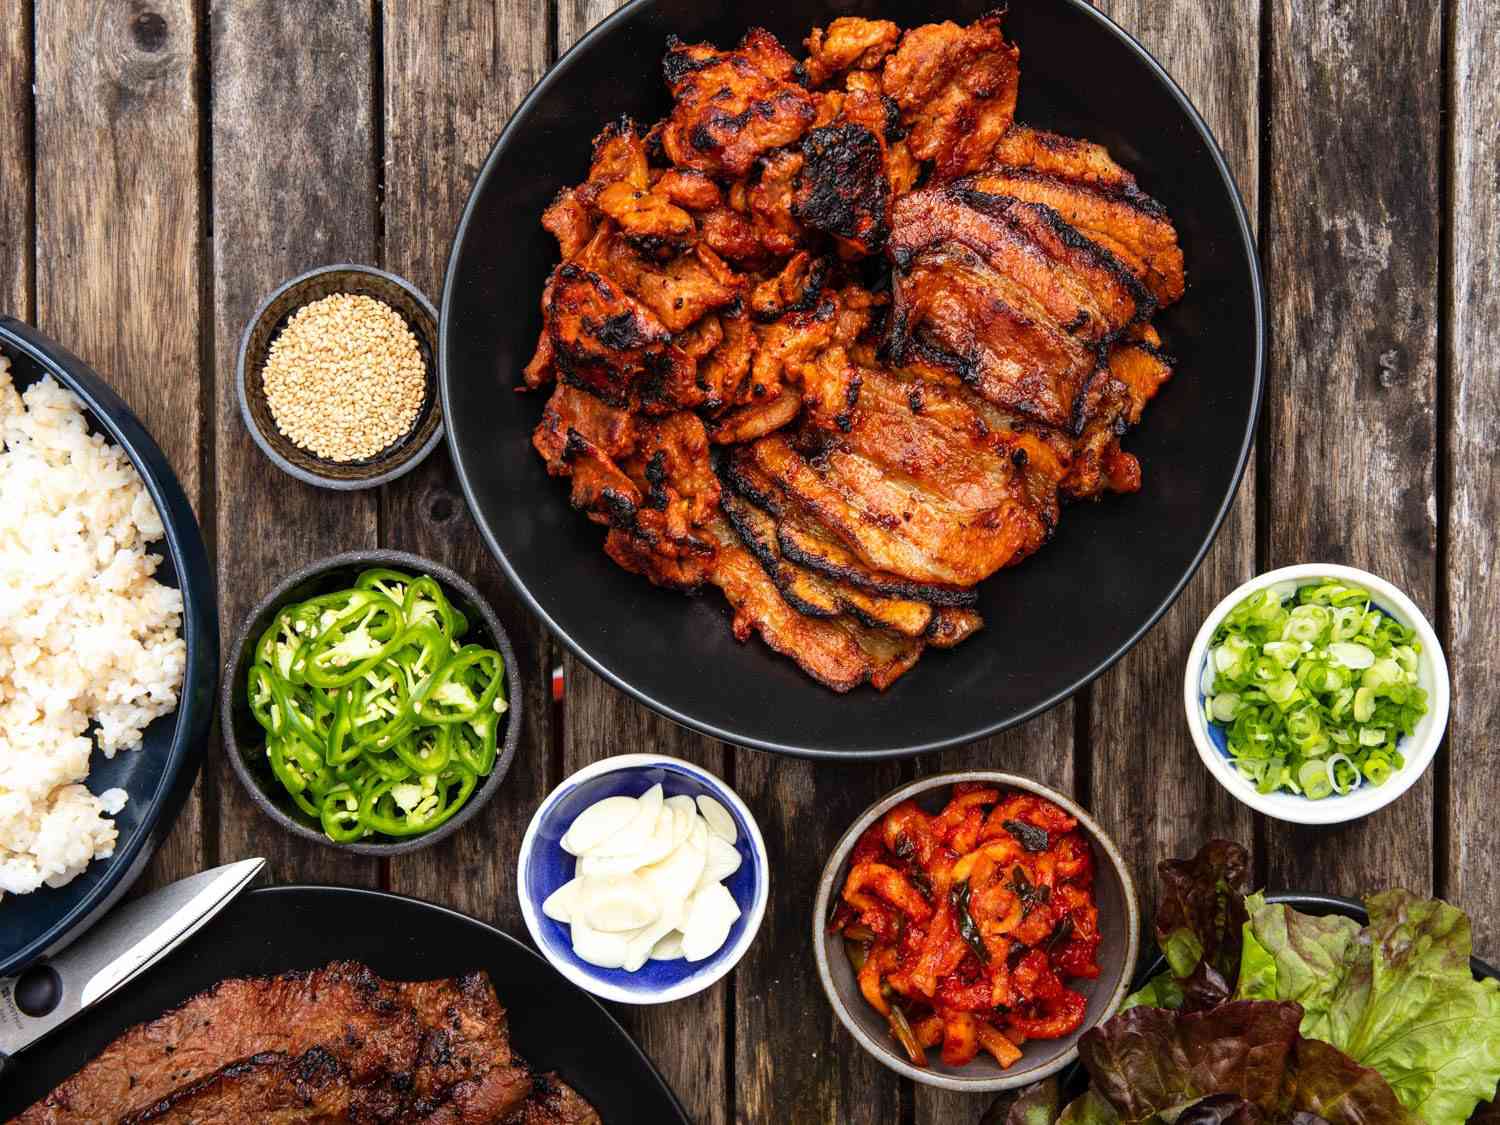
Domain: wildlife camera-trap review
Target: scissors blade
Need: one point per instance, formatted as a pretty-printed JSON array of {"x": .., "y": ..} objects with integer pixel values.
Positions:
[{"x": 125, "y": 944}]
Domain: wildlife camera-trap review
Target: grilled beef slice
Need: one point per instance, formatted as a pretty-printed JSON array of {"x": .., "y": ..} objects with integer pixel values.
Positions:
[{"x": 336, "y": 1044}]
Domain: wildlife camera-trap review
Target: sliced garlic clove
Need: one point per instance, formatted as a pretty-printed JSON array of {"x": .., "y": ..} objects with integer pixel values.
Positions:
[
  {"x": 598, "y": 822},
  {"x": 724, "y": 860},
  {"x": 619, "y": 904},
  {"x": 668, "y": 948},
  {"x": 674, "y": 878},
  {"x": 604, "y": 867},
  {"x": 711, "y": 914},
  {"x": 632, "y": 838},
  {"x": 562, "y": 902},
  {"x": 660, "y": 843},
  {"x": 720, "y": 822},
  {"x": 685, "y": 812},
  {"x": 645, "y": 940},
  {"x": 604, "y": 950}
]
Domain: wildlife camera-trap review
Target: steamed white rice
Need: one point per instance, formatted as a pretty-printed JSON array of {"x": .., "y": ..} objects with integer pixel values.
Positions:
[{"x": 86, "y": 634}]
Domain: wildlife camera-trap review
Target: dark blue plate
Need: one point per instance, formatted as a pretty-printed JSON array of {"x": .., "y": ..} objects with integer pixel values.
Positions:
[
  {"x": 554, "y": 1026},
  {"x": 158, "y": 775},
  {"x": 1081, "y": 603}
]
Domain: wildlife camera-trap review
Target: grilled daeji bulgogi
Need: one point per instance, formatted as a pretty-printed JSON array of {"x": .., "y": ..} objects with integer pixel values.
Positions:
[
  {"x": 338, "y": 1044},
  {"x": 913, "y": 326}
]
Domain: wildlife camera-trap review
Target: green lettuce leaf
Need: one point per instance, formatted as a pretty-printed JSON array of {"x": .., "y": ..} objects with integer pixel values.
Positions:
[
  {"x": 1314, "y": 960},
  {"x": 1161, "y": 991},
  {"x": 1427, "y": 1024},
  {"x": 1397, "y": 996}
]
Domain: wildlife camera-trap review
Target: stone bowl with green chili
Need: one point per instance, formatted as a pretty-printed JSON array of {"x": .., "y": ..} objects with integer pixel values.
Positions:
[
  {"x": 370, "y": 703},
  {"x": 1316, "y": 694}
]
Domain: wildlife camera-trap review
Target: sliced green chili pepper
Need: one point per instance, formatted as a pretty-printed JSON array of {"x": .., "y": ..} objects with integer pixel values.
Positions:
[
  {"x": 339, "y": 812},
  {"x": 426, "y": 750},
  {"x": 462, "y": 688},
  {"x": 376, "y": 720},
  {"x": 384, "y": 580},
  {"x": 475, "y": 742},
  {"x": 420, "y": 805},
  {"x": 426, "y": 604},
  {"x": 265, "y": 705},
  {"x": 362, "y": 634}
]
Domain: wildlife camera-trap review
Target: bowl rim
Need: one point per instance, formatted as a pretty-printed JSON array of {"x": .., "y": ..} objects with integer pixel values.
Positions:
[
  {"x": 1246, "y": 240},
  {"x": 230, "y": 688},
  {"x": 1420, "y": 749},
  {"x": 200, "y": 632},
  {"x": 725, "y": 959},
  {"x": 881, "y": 1051},
  {"x": 414, "y": 456}
]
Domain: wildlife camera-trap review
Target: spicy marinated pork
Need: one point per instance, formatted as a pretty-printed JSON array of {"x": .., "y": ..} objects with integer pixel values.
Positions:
[
  {"x": 336, "y": 1044},
  {"x": 965, "y": 927},
  {"x": 839, "y": 336}
]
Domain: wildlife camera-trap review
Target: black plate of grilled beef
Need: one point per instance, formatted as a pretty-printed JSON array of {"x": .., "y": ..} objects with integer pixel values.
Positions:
[
  {"x": 1104, "y": 570},
  {"x": 333, "y": 1003}
]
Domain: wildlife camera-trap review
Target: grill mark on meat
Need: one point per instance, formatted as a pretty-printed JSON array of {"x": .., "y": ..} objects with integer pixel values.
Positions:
[
  {"x": 842, "y": 188},
  {"x": 332, "y": 1044}
]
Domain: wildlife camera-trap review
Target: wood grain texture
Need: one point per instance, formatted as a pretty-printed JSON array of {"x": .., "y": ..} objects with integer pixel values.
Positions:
[
  {"x": 293, "y": 188},
  {"x": 17, "y": 223},
  {"x": 1354, "y": 216},
  {"x": 117, "y": 227},
  {"x": 1044, "y": 751},
  {"x": 436, "y": 138},
  {"x": 1473, "y": 504},
  {"x": 793, "y": 1060},
  {"x": 1150, "y": 791},
  {"x": 686, "y": 1039}
]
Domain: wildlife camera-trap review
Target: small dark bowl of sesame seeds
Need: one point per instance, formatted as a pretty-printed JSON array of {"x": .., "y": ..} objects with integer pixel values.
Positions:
[{"x": 337, "y": 377}]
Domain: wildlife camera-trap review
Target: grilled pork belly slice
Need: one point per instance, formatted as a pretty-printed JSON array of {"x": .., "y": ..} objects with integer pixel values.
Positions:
[
  {"x": 814, "y": 594},
  {"x": 1121, "y": 218},
  {"x": 838, "y": 652},
  {"x": 1079, "y": 287},
  {"x": 956, "y": 527},
  {"x": 954, "y": 310},
  {"x": 952, "y": 625},
  {"x": 807, "y": 543},
  {"x": 1139, "y": 363}
]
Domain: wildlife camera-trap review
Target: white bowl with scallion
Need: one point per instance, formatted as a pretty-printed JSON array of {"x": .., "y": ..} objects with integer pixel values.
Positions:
[{"x": 1316, "y": 694}]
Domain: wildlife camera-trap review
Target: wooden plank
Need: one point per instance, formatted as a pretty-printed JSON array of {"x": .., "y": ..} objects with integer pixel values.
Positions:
[
  {"x": 293, "y": 188},
  {"x": 1473, "y": 505},
  {"x": 481, "y": 59},
  {"x": 688, "y": 1041},
  {"x": 118, "y": 206},
  {"x": 793, "y": 1060},
  {"x": 1044, "y": 751},
  {"x": 17, "y": 223},
  {"x": 1353, "y": 254}
]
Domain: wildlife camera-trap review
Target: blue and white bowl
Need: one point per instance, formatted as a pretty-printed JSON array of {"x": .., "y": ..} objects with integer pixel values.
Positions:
[
  {"x": 544, "y": 866},
  {"x": 1419, "y": 748}
]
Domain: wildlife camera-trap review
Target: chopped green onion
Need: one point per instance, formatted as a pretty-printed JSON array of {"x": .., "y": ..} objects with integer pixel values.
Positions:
[{"x": 1314, "y": 686}]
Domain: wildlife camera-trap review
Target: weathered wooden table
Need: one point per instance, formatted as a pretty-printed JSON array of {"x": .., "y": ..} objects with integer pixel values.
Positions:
[{"x": 165, "y": 163}]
